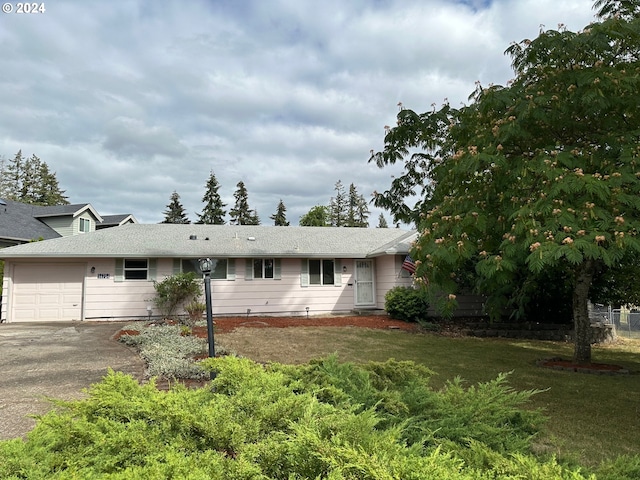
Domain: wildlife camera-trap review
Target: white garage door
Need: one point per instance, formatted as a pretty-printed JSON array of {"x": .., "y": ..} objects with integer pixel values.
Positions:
[{"x": 47, "y": 292}]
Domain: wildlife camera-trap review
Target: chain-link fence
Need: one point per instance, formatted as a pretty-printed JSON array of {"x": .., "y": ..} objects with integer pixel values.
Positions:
[{"x": 626, "y": 321}]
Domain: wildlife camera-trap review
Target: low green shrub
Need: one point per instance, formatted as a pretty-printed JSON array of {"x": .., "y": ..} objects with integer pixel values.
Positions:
[
  {"x": 406, "y": 303},
  {"x": 625, "y": 467},
  {"x": 279, "y": 422},
  {"x": 490, "y": 413}
]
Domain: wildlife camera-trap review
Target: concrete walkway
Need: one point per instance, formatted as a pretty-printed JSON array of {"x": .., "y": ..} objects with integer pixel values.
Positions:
[{"x": 58, "y": 360}]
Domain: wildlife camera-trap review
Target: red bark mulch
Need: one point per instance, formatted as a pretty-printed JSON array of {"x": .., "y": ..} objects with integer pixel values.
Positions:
[
  {"x": 557, "y": 363},
  {"x": 229, "y": 324}
]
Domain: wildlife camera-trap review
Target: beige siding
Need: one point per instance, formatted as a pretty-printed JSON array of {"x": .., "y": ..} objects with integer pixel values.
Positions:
[
  {"x": 106, "y": 298},
  {"x": 388, "y": 275},
  {"x": 269, "y": 296}
]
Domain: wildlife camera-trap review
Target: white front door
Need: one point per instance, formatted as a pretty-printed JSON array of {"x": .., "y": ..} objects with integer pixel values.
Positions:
[{"x": 365, "y": 289}]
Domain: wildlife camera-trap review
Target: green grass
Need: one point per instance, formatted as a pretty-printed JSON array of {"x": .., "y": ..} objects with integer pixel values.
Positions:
[{"x": 591, "y": 417}]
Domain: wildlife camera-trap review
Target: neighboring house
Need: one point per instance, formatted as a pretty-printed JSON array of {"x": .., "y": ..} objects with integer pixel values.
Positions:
[
  {"x": 109, "y": 274},
  {"x": 109, "y": 221},
  {"x": 23, "y": 223}
]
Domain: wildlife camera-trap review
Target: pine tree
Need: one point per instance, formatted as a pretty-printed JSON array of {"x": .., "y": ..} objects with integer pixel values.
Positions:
[
  {"x": 241, "y": 214},
  {"x": 4, "y": 181},
  {"x": 12, "y": 177},
  {"x": 48, "y": 189},
  {"x": 382, "y": 222},
  {"x": 30, "y": 181},
  {"x": 357, "y": 209},
  {"x": 213, "y": 213},
  {"x": 338, "y": 206},
  {"x": 280, "y": 218},
  {"x": 352, "y": 206},
  {"x": 175, "y": 212}
]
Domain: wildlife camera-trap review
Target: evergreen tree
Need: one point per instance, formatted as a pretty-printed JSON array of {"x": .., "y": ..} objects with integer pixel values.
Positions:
[
  {"x": 352, "y": 206},
  {"x": 4, "y": 183},
  {"x": 338, "y": 206},
  {"x": 241, "y": 214},
  {"x": 30, "y": 181},
  {"x": 357, "y": 209},
  {"x": 280, "y": 218},
  {"x": 382, "y": 222},
  {"x": 49, "y": 192},
  {"x": 175, "y": 212},
  {"x": 14, "y": 174},
  {"x": 213, "y": 212},
  {"x": 318, "y": 216}
]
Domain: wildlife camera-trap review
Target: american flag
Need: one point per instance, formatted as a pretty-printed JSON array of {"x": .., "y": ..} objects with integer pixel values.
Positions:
[{"x": 409, "y": 265}]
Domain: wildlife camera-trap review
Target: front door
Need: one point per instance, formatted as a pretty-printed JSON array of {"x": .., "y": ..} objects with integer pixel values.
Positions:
[{"x": 365, "y": 289}]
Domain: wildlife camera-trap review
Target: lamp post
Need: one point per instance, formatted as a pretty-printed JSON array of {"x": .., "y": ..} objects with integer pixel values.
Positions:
[{"x": 206, "y": 265}]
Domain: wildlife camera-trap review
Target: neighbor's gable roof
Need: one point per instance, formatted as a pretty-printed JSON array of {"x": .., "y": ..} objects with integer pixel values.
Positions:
[
  {"x": 172, "y": 240},
  {"x": 66, "y": 211},
  {"x": 17, "y": 222},
  {"x": 117, "y": 220}
]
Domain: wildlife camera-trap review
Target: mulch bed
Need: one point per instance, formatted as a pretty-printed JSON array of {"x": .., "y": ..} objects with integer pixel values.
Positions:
[
  {"x": 229, "y": 324},
  {"x": 557, "y": 363}
]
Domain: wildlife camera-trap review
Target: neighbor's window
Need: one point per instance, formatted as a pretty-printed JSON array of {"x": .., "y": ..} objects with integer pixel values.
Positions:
[
  {"x": 193, "y": 265},
  {"x": 85, "y": 225},
  {"x": 136, "y": 268},
  {"x": 263, "y": 268},
  {"x": 321, "y": 272}
]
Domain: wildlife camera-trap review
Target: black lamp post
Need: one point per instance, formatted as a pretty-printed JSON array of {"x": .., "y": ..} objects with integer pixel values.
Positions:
[{"x": 206, "y": 265}]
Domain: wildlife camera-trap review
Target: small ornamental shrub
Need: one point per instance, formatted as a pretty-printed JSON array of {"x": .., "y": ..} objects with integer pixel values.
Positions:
[
  {"x": 175, "y": 291},
  {"x": 406, "y": 303},
  {"x": 167, "y": 353},
  {"x": 195, "y": 310}
]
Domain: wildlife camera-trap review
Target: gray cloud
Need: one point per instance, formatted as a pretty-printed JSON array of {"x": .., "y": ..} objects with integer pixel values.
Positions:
[{"x": 128, "y": 101}]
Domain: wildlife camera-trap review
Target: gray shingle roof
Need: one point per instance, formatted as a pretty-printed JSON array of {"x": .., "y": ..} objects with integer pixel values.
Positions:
[
  {"x": 64, "y": 210},
  {"x": 168, "y": 240},
  {"x": 17, "y": 222},
  {"x": 115, "y": 220}
]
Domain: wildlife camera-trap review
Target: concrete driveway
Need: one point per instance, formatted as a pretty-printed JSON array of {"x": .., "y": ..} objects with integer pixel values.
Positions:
[{"x": 55, "y": 360}]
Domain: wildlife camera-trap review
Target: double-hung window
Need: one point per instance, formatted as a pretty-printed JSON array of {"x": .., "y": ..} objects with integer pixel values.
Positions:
[
  {"x": 263, "y": 268},
  {"x": 321, "y": 272},
  {"x": 136, "y": 268},
  {"x": 85, "y": 225}
]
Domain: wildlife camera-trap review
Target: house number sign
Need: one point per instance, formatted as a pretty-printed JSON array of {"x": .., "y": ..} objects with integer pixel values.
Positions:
[{"x": 103, "y": 275}]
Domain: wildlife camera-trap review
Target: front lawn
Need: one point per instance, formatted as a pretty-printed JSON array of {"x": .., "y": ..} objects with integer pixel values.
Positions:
[{"x": 591, "y": 417}]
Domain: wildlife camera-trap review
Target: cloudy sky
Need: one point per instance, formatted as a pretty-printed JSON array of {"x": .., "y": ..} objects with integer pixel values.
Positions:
[{"x": 128, "y": 101}]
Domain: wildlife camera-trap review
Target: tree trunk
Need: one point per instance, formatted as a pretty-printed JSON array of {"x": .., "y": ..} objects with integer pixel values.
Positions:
[{"x": 581, "y": 324}]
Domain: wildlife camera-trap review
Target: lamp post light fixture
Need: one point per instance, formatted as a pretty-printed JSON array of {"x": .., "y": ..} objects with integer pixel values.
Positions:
[{"x": 206, "y": 265}]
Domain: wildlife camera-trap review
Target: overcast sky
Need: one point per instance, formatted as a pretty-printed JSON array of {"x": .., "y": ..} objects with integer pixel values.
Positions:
[{"x": 128, "y": 101}]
